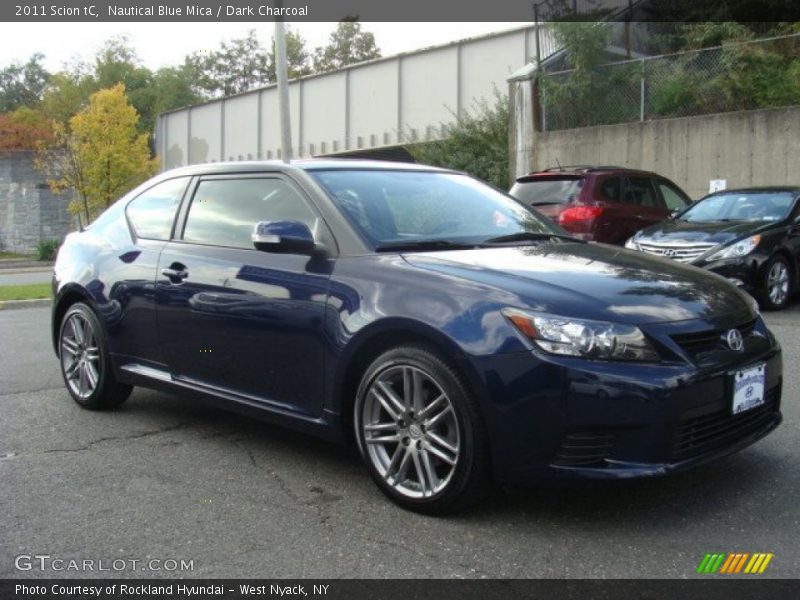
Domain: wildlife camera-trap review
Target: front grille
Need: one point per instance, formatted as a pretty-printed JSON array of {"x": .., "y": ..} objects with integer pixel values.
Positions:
[
  {"x": 709, "y": 340},
  {"x": 700, "y": 435},
  {"x": 584, "y": 448},
  {"x": 680, "y": 252}
]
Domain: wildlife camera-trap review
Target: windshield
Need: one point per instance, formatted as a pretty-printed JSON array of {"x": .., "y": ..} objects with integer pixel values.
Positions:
[
  {"x": 402, "y": 207},
  {"x": 743, "y": 206},
  {"x": 547, "y": 191}
]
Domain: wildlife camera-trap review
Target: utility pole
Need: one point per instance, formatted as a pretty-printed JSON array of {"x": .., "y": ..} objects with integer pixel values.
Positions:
[{"x": 283, "y": 89}]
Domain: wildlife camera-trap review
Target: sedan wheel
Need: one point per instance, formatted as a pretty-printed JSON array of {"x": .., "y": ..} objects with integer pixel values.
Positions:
[
  {"x": 85, "y": 364},
  {"x": 420, "y": 432},
  {"x": 777, "y": 285}
]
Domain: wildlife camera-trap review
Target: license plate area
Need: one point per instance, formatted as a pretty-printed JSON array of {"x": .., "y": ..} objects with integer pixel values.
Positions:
[{"x": 748, "y": 388}]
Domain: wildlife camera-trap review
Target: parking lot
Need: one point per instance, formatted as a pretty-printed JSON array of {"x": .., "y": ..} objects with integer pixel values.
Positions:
[{"x": 166, "y": 478}]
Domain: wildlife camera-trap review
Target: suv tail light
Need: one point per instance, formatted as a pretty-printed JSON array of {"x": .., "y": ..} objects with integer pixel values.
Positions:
[{"x": 579, "y": 214}]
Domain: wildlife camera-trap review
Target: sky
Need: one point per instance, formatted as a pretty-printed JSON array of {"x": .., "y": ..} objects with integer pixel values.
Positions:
[{"x": 163, "y": 44}]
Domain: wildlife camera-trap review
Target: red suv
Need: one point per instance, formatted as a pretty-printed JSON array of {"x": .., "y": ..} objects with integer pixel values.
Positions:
[{"x": 601, "y": 204}]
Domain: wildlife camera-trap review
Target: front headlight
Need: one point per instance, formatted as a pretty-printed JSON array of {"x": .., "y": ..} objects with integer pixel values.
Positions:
[
  {"x": 579, "y": 337},
  {"x": 740, "y": 248},
  {"x": 631, "y": 244}
]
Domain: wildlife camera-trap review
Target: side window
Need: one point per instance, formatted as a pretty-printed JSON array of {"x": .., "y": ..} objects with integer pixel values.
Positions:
[
  {"x": 673, "y": 198},
  {"x": 640, "y": 192},
  {"x": 152, "y": 212},
  {"x": 611, "y": 189},
  {"x": 224, "y": 211}
]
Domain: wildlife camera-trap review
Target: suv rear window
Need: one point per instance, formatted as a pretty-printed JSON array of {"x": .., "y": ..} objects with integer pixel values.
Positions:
[{"x": 550, "y": 190}]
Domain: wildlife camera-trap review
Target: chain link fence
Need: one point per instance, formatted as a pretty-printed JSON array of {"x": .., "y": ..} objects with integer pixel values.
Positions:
[{"x": 736, "y": 76}]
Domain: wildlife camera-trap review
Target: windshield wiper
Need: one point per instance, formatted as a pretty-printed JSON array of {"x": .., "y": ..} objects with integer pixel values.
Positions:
[
  {"x": 423, "y": 245},
  {"x": 530, "y": 236}
]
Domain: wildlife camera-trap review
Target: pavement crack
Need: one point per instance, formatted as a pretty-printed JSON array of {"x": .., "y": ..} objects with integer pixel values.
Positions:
[{"x": 135, "y": 436}]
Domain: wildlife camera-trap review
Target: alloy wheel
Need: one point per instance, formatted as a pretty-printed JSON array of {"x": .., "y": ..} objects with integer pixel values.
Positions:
[
  {"x": 80, "y": 356},
  {"x": 410, "y": 431},
  {"x": 778, "y": 283}
]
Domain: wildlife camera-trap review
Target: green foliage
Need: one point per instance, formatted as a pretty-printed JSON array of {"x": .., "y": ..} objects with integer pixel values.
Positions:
[
  {"x": 736, "y": 76},
  {"x": 237, "y": 66},
  {"x": 68, "y": 92},
  {"x": 348, "y": 45},
  {"x": 477, "y": 144},
  {"x": 23, "y": 84},
  {"x": 46, "y": 249},
  {"x": 298, "y": 59}
]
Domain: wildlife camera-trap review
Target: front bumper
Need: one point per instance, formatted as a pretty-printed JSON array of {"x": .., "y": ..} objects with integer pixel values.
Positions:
[
  {"x": 560, "y": 417},
  {"x": 744, "y": 272}
]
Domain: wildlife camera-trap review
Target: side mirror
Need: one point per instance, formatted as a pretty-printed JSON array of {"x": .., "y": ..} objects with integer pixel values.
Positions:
[{"x": 289, "y": 237}]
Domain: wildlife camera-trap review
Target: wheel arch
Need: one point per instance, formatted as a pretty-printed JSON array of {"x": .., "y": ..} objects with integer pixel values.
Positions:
[
  {"x": 67, "y": 296},
  {"x": 376, "y": 339}
]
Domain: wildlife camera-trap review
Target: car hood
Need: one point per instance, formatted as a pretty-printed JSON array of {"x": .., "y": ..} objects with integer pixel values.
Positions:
[
  {"x": 716, "y": 232},
  {"x": 592, "y": 281}
]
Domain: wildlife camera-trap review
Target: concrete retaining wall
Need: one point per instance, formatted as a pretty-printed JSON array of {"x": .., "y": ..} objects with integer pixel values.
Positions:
[
  {"x": 29, "y": 211},
  {"x": 748, "y": 148}
]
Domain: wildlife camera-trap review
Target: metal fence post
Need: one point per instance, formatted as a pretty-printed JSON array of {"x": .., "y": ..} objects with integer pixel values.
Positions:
[
  {"x": 543, "y": 96},
  {"x": 642, "y": 92}
]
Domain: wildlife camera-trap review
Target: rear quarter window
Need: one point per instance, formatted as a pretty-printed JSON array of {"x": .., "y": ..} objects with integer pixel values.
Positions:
[{"x": 152, "y": 213}]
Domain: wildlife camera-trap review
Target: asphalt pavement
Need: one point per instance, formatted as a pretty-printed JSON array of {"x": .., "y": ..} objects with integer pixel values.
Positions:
[{"x": 165, "y": 478}]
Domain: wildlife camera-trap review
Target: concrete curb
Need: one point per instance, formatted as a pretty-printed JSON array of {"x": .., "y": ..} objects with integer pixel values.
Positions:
[{"x": 15, "y": 304}]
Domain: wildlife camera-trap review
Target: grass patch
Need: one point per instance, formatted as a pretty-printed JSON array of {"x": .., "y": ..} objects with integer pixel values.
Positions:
[
  {"x": 15, "y": 255},
  {"x": 31, "y": 291}
]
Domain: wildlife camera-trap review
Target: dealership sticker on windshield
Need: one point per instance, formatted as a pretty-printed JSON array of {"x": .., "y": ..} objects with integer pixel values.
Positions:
[{"x": 748, "y": 388}]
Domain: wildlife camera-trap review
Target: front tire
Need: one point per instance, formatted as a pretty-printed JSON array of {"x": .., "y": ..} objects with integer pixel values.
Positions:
[
  {"x": 420, "y": 432},
  {"x": 85, "y": 362},
  {"x": 777, "y": 284}
]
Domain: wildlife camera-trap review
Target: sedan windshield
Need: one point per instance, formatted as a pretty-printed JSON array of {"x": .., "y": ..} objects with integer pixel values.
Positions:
[
  {"x": 431, "y": 209},
  {"x": 741, "y": 206}
]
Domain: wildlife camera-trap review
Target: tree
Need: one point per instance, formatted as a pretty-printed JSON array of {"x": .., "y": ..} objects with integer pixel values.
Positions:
[
  {"x": 23, "y": 128},
  {"x": 117, "y": 62},
  {"x": 298, "y": 59},
  {"x": 23, "y": 85},
  {"x": 347, "y": 45},
  {"x": 477, "y": 143},
  {"x": 238, "y": 66},
  {"x": 101, "y": 156},
  {"x": 68, "y": 93},
  {"x": 174, "y": 89}
]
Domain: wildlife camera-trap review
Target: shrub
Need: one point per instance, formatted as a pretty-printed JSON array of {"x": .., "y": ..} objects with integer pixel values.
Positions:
[{"x": 46, "y": 249}]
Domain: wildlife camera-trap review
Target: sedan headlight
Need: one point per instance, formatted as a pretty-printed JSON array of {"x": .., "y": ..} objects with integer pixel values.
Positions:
[
  {"x": 740, "y": 248},
  {"x": 631, "y": 244},
  {"x": 579, "y": 337}
]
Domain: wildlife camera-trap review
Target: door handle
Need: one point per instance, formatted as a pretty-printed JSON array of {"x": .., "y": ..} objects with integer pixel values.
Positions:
[{"x": 172, "y": 274}]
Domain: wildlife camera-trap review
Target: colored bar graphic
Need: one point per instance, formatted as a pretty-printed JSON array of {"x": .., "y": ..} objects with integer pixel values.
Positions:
[{"x": 734, "y": 562}]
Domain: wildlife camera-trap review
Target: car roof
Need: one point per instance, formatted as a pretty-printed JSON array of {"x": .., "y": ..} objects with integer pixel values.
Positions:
[
  {"x": 578, "y": 170},
  {"x": 310, "y": 164},
  {"x": 756, "y": 190}
]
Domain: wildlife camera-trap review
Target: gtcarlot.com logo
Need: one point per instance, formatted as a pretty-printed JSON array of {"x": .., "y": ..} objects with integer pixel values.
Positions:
[
  {"x": 46, "y": 562},
  {"x": 731, "y": 563}
]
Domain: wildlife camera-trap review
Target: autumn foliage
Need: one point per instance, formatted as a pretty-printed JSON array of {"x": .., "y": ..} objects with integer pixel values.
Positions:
[
  {"x": 21, "y": 129},
  {"x": 100, "y": 156}
]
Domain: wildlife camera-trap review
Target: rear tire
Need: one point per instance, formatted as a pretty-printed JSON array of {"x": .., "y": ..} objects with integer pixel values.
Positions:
[
  {"x": 85, "y": 362},
  {"x": 777, "y": 284},
  {"x": 420, "y": 432}
]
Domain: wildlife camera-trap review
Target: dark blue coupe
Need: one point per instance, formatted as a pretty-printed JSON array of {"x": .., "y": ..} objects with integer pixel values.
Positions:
[{"x": 455, "y": 336}]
